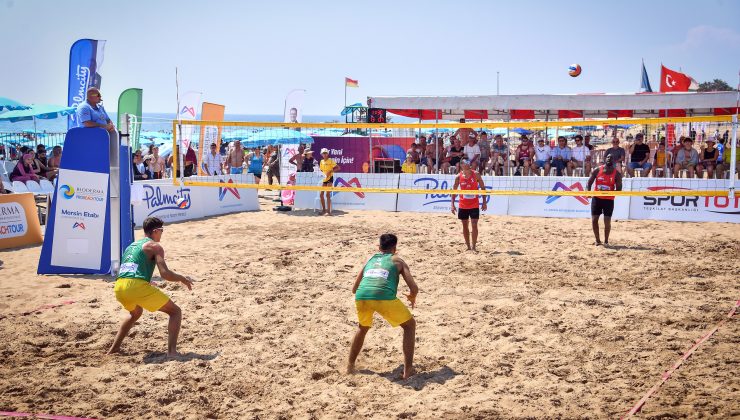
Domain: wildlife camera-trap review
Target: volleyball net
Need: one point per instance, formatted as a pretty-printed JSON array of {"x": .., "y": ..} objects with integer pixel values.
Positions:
[{"x": 686, "y": 156}]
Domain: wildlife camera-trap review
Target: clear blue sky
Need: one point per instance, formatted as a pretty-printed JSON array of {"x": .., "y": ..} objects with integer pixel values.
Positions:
[{"x": 247, "y": 55}]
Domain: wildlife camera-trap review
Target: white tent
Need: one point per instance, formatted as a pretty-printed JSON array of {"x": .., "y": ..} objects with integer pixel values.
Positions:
[{"x": 607, "y": 105}]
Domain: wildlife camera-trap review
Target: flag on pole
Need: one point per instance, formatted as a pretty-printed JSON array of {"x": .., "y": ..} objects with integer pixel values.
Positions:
[
  {"x": 673, "y": 81},
  {"x": 645, "y": 84},
  {"x": 351, "y": 83}
]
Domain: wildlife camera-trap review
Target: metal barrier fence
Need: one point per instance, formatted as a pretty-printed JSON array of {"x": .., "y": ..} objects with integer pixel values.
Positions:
[{"x": 11, "y": 142}]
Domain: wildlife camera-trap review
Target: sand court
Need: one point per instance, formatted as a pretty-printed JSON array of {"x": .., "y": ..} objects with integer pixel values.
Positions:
[{"x": 538, "y": 323}]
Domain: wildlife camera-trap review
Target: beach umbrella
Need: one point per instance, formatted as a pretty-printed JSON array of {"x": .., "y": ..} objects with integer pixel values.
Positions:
[
  {"x": 34, "y": 112},
  {"x": 522, "y": 131},
  {"x": 11, "y": 105},
  {"x": 276, "y": 136}
]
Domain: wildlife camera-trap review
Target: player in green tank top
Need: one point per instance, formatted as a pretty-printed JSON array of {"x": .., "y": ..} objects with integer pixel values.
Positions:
[
  {"x": 375, "y": 290},
  {"x": 134, "y": 292}
]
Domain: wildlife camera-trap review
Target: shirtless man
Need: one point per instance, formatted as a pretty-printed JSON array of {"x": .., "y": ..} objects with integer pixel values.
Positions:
[
  {"x": 235, "y": 159},
  {"x": 297, "y": 159},
  {"x": 375, "y": 290}
]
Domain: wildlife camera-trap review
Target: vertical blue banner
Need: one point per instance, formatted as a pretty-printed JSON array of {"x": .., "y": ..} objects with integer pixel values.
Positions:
[{"x": 85, "y": 60}]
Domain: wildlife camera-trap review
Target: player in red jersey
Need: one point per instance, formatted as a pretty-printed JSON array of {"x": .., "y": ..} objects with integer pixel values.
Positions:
[
  {"x": 468, "y": 179},
  {"x": 607, "y": 178}
]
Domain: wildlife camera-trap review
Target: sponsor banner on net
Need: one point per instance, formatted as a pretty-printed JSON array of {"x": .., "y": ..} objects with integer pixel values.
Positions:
[
  {"x": 570, "y": 206},
  {"x": 228, "y": 199},
  {"x": 12, "y": 220},
  {"x": 349, "y": 200},
  {"x": 440, "y": 203},
  {"x": 684, "y": 208},
  {"x": 81, "y": 206}
]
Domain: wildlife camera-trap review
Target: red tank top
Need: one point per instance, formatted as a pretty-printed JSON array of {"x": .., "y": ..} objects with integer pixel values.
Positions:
[
  {"x": 468, "y": 201},
  {"x": 606, "y": 182},
  {"x": 524, "y": 153}
]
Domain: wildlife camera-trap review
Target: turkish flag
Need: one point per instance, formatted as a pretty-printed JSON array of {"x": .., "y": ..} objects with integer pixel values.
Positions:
[{"x": 673, "y": 81}]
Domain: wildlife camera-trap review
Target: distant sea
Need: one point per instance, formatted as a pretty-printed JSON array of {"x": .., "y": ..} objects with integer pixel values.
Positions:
[{"x": 152, "y": 122}]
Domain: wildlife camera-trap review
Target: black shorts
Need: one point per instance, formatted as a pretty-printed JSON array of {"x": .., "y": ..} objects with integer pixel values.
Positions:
[
  {"x": 601, "y": 206},
  {"x": 329, "y": 183},
  {"x": 465, "y": 214},
  {"x": 454, "y": 161}
]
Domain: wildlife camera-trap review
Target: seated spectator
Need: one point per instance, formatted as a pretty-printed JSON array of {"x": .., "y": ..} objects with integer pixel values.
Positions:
[
  {"x": 2, "y": 188},
  {"x": 542, "y": 157},
  {"x": 561, "y": 157},
  {"x": 138, "y": 167},
  {"x": 191, "y": 161},
  {"x": 472, "y": 151},
  {"x": 661, "y": 160},
  {"x": 499, "y": 155},
  {"x": 727, "y": 159},
  {"x": 56, "y": 158},
  {"x": 524, "y": 155},
  {"x": 582, "y": 155},
  {"x": 587, "y": 142},
  {"x": 41, "y": 163},
  {"x": 709, "y": 157},
  {"x": 454, "y": 154},
  {"x": 415, "y": 157},
  {"x": 687, "y": 158},
  {"x": 639, "y": 156},
  {"x": 23, "y": 171},
  {"x": 408, "y": 167},
  {"x": 617, "y": 153},
  {"x": 485, "y": 150}
]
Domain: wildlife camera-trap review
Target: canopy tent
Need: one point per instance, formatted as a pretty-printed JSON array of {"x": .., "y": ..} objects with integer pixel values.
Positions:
[
  {"x": 577, "y": 106},
  {"x": 352, "y": 108}
]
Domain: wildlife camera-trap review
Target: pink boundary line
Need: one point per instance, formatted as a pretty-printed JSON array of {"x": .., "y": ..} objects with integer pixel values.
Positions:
[
  {"x": 41, "y": 416},
  {"x": 667, "y": 374}
]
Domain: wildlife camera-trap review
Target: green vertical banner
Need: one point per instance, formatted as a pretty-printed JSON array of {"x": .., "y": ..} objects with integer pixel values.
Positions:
[{"x": 130, "y": 103}]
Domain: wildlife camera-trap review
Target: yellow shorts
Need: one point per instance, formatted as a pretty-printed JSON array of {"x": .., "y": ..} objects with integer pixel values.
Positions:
[
  {"x": 137, "y": 292},
  {"x": 393, "y": 311}
]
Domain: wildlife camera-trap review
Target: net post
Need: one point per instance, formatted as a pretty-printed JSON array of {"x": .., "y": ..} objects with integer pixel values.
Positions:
[
  {"x": 175, "y": 152},
  {"x": 733, "y": 159}
]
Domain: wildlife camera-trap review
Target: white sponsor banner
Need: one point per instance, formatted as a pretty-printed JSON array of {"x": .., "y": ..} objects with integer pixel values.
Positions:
[
  {"x": 287, "y": 151},
  {"x": 159, "y": 198},
  {"x": 559, "y": 205},
  {"x": 349, "y": 200},
  {"x": 189, "y": 105},
  {"x": 686, "y": 209},
  {"x": 294, "y": 106},
  {"x": 440, "y": 203},
  {"x": 79, "y": 219},
  {"x": 12, "y": 220}
]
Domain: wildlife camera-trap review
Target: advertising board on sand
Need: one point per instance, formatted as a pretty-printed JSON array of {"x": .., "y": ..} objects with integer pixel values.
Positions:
[
  {"x": 348, "y": 200},
  {"x": 680, "y": 208},
  {"x": 19, "y": 225}
]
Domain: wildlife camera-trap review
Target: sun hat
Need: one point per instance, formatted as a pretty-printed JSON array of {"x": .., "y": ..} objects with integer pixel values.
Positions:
[{"x": 324, "y": 150}]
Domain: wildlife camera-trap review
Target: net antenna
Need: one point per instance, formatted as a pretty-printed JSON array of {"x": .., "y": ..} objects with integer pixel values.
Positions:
[{"x": 178, "y": 160}]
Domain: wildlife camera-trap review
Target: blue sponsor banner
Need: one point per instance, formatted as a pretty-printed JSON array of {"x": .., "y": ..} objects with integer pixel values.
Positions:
[{"x": 85, "y": 59}]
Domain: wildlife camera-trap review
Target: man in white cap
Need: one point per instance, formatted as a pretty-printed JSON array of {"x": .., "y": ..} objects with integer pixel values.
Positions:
[
  {"x": 468, "y": 179},
  {"x": 472, "y": 151},
  {"x": 328, "y": 167}
]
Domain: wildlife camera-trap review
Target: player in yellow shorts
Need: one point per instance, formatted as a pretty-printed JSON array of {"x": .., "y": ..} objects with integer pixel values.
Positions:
[
  {"x": 134, "y": 291},
  {"x": 375, "y": 291}
]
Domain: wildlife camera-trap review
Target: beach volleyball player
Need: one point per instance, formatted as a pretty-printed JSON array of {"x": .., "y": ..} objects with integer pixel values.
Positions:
[
  {"x": 468, "y": 179},
  {"x": 607, "y": 178},
  {"x": 375, "y": 291},
  {"x": 134, "y": 291}
]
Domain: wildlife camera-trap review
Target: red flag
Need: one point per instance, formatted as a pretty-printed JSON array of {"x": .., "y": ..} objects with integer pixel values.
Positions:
[{"x": 673, "y": 81}]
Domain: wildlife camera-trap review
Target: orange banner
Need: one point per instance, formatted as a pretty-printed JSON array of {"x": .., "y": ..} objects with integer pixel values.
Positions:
[
  {"x": 209, "y": 134},
  {"x": 19, "y": 224}
]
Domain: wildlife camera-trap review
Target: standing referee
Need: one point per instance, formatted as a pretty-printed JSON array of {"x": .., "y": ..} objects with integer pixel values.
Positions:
[{"x": 607, "y": 178}]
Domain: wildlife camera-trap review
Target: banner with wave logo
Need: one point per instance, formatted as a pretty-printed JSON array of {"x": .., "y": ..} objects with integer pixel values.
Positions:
[{"x": 85, "y": 61}]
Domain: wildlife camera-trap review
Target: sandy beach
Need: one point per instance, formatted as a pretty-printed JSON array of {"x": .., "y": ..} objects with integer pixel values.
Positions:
[{"x": 538, "y": 324}]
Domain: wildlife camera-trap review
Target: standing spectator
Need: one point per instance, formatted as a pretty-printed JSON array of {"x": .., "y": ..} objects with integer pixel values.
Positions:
[
  {"x": 561, "y": 157},
  {"x": 23, "y": 170},
  {"x": 499, "y": 155},
  {"x": 485, "y": 150},
  {"x": 297, "y": 158},
  {"x": 617, "y": 154},
  {"x": 156, "y": 164},
  {"x": 191, "y": 161},
  {"x": 91, "y": 112},
  {"x": 328, "y": 167},
  {"x": 582, "y": 155},
  {"x": 408, "y": 167},
  {"x": 639, "y": 156},
  {"x": 661, "y": 160},
  {"x": 709, "y": 156},
  {"x": 256, "y": 163},
  {"x": 472, "y": 151},
  {"x": 138, "y": 167},
  {"x": 542, "y": 157},
  {"x": 213, "y": 161},
  {"x": 687, "y": 158},
  {"x": 308, "y": 162},
  {"x": 273, "y": 167},
  {"x": 235, "y": 159}
]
